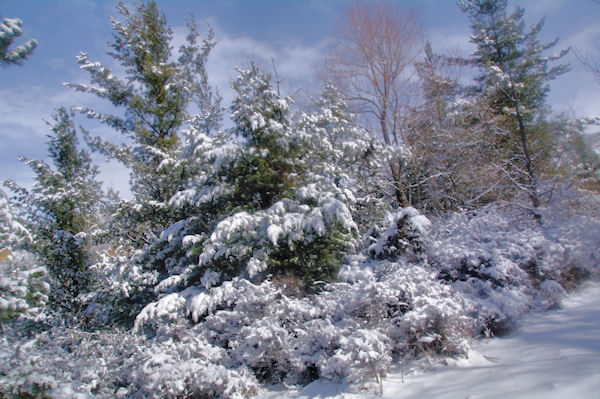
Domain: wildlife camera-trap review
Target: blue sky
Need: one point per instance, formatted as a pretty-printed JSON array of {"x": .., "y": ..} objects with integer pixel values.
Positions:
[{"x": 293, "y": 33}]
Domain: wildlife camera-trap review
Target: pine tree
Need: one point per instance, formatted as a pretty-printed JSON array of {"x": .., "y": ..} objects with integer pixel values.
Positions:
[
  {"x": 61, "y": 209},
  {"x": 11, "y": 28},
  {"x": 256, "y": 210},
  {"x": 514, "y": 78},
  {"x": 207, "y": 114}
]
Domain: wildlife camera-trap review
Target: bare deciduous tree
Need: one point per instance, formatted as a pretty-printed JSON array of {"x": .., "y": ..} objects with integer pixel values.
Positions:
[{"x": 371, "y": 61}]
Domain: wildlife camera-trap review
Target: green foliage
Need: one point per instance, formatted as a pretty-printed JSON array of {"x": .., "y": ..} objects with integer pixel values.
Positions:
[
  {"x": 259, "y": 180},
  {"x": 152, "y": 100},
  {"x": 265, "y": 172},
  {"x": 61, "y": 210},
  {"x": 313, "y": 260},
  {"x": 26, "y": 387},
  {"x": 24, "y": 286},
  {"x": 142, "y": 45}
]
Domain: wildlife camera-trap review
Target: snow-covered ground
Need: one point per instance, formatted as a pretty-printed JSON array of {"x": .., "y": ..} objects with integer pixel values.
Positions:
[{"x": 552, "y": 355}]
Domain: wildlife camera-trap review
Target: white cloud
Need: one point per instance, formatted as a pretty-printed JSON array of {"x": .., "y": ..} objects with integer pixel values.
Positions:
[
  {"x": 583, "y": 40},
  {"x": 24, "y": 132},
  {"x": 451, "y": 42},
  {"x": 23, "y": 111},
  {"x": 294, "y": 62}
]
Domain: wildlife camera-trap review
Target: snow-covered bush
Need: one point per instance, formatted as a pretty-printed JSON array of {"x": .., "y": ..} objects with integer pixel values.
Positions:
[
  {"x": 183, "y": 364},
  {"x": 56, "y": 363},
  {"x": 24, "y": 287},
  {"x": 380, "y": 311},
  {"x": 506, "y": 265},
  {"x": 362, "y": 355},
  {"x": 12, "y": 232},
  {"x": 119, "y": 288},
  {"x": 403, "y": 233},
  {"x": 70, "y": 363},
  {"x": 485, "y": 258}
]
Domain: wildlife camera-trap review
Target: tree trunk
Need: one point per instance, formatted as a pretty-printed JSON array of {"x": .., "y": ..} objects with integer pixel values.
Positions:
[
  {"x": 395, "y": 165},
  {"x": 533, "y": 194}
]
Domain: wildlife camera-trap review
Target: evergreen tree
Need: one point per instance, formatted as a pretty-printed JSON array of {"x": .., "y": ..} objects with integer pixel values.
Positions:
[
  {"x": 514, "y": 78},
  {"x": 266, "y": 170},
  {"x": 257, "y": 211},
  {"x": 13, "y": 235},
  {"x": 207, "y": 114},
  {"x": 152, "y": 96},
  {"x": 61, "y": 209},
  {"x": 23, "y": 286},
  {"x": 341, "y": 156},
  {"x": 11, "y": 28}
]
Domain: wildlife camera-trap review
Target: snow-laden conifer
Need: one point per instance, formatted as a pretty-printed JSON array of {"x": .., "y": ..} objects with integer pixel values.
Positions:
[
  {"x": 24, "y": 288},
  {"x": 515, "y": 76},
  {"x": 151, "y": 103},
  {"x": 11, "y": 28},
  {"x": 61, "y": 209},
  {"x": 342, "y": 156}
]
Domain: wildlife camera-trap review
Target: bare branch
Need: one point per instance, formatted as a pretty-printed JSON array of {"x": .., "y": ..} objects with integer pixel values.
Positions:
[{"x": 371, "y": 64}]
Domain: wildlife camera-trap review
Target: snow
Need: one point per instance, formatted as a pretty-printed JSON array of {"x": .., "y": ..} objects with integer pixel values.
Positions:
[
  {"x": 551, "y": 355},
  {"x": 273, "y": 232}
]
